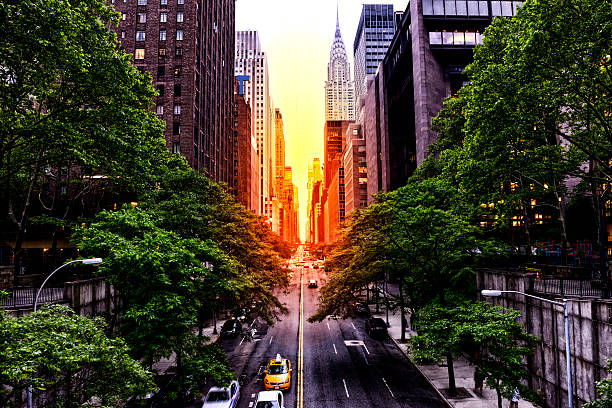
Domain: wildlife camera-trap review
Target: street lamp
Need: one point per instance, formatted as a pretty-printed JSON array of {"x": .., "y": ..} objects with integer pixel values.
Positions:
[
  {"x": 89, "y": 261},
  {"x": 496, "y": 293}
]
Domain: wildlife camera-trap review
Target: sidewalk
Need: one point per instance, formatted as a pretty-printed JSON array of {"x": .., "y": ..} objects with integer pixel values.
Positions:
[{"x": 438, "y": 376}]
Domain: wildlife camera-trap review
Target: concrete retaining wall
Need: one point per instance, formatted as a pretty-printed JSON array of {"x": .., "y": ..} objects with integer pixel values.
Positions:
[
  {"x": 590, "y": 322},
  {"x": 91, "y": 296}
]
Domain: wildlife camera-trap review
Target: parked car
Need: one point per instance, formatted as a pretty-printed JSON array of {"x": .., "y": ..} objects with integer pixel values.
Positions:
[
  {"x": 278, "y": 374},
  {"x": 312, "y": 283},
  {"x": 223, "y": 397},
  {"x": 376, "y": 327},
  {"x": 231, "y": 328},
  {"x": 362, "y": 309},
  {"x": 270, "y": 399}
]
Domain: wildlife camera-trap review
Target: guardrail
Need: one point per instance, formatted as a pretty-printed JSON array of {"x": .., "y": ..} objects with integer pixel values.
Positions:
[
  {"x": 568, "y": 287},
  {"x": 24, "y": 297}
]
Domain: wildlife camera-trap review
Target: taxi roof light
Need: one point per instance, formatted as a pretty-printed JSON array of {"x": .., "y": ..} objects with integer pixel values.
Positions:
[{"x": 278, "y": 358}]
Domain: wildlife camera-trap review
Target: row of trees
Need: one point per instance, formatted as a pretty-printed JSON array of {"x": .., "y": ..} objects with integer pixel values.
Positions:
[
  {"x": 78, "y": 138},
  {"x": 529, "y": 135}
]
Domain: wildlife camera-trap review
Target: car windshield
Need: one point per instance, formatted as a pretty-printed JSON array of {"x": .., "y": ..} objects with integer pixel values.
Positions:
[
  {"x": 277, "y": 369},
  {"x": 218, "y": 396},
  {"x": 267, "y": 404}
]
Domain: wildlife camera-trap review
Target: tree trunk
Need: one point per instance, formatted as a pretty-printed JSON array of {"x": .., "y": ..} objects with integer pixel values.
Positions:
[
  {"x": 499, "y": 396},
  {"x": 402, "y": 311},
  {"x": 452, "y": 387}
]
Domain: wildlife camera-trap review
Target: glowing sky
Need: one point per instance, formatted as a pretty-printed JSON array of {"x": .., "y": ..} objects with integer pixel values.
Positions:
[{"x": 297, "y": 36}]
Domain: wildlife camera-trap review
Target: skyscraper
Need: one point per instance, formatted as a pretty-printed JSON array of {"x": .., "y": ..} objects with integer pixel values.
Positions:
[
  {"x": 251, "y": 61},
  {"x": 374, "y": 34},
  {"x": 181, "y": 43},
  {"x": 339, "y": 87}
]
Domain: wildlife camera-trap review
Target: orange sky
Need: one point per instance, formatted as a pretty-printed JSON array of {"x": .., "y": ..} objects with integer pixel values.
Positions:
[{"x": 297, "y": 36}]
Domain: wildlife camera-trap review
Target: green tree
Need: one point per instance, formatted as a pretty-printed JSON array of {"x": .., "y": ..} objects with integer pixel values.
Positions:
[
  {"x": 490, "y": 337},
  {"x": 604, "y": 390},
  {"x": 68, "y": 359},
  {"x": 73, "y": 111}
]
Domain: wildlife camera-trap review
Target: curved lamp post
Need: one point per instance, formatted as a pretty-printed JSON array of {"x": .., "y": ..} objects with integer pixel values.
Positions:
[
  {"x": 90, "y": 261},
  {"x": 496, "y": 293}
]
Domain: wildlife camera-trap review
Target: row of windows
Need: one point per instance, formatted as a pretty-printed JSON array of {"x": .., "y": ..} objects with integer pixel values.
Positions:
[
  {"x": 449, "y": 38},
  {"x": 177, "y": 108},
  {"x": 478, "y": 8},
  {"x": 141, "y": 18},
  {"x": 141, "y": 35},
  {"x": 161, "y": 2}
]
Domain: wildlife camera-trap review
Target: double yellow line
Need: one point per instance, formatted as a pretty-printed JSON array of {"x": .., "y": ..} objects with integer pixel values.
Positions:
[{"x": 300, "y": 384}]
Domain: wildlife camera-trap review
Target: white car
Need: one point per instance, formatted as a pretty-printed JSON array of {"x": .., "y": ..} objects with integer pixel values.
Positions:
[
  {"x": 270, "y": 399},
  {"x": 223, "y": 397}
]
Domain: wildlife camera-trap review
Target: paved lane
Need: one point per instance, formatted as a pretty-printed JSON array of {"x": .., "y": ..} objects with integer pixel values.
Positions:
[{"x": 363, "y": 373}]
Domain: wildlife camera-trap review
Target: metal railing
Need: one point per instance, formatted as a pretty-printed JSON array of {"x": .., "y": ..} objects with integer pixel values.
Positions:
[
  {"x": 24, "y": 297},
  {"x": 568, "y": 287}
]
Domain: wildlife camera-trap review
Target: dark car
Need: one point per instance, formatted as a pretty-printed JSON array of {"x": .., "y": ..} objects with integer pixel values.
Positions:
[
  {"x": 376, "y": 327},
  {"x": 362, "y": 309},
  {"x": 231, "y": 328}
]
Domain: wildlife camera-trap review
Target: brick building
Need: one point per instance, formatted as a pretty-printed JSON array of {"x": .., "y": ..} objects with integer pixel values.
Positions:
[
  {"x": 188, "y": 47},
  {"x": 246, "y": 163}
]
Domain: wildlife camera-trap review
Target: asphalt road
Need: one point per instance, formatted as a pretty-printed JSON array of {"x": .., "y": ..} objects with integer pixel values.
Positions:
[{"x": 342, "y": 366}]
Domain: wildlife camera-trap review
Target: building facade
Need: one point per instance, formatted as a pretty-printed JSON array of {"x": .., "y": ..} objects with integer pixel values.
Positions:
[
  {"x": 188, "y": 48},
  {"x": 374, "y": 34},
  {"x": 246, "y": 163},
  {"x": 251, "y": 61},
  {"x": 355, "y": 170},
  {"x": 339, "y": 87}
]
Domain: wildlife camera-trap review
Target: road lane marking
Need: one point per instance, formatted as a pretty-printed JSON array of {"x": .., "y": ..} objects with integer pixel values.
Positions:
[
  {"x": 300, "y": 388},
  {"x": 390, "y": 392},
  {"x": 366, "y": 347},
  {"x": 241, "y": 341},
  {"x": 353, "y": 326},
  {"x": 250, "y": 404},
  {"x": 329, "y": 328},
  {"x": 346, "y": 389},
  {"x": 271, "y": 340},
  {"x": 336, "y": 351}
]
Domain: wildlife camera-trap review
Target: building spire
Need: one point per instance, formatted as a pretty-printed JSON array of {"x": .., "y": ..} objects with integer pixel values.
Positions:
[{"x": 337, "y": 20}]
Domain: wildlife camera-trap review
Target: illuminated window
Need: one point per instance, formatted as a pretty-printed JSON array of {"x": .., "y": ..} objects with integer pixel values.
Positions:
[
  {"x": 179, "y": 17},
  {"x": 142, "y": 18},
  {"x": 177, "y": 109},
  {"x": 163, "y": 17},
  {"x": 513, "y": 186},
  {"x": 140, "y": 35},
  {"x": 160, "y": 109},
  {"x": 162, "y": 35},
  {"x": 179, "y": 35},
  {"x": 142, "y": 2},
  {"x": 163, "y": 2},
  {"x": 533, "y": 203},
  {"x": 162, "y": 52},
  {"x": 139, "y": 54}
]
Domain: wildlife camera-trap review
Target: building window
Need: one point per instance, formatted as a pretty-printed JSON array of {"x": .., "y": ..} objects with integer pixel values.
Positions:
[
  {"x": 139, "y": 54},
  {"x": 142, "y": 2},
  {"x": 180, "y": 1},
  {"x": 123, "y": 34},
  {"x": 177, "y": 109},
  {"x": 176, "y": 148},
  {"x": 178, "y": 71},
  {"x": 142, "y": 18},
  {"x": 176, "y": 128},
  {"x": 163, "y": 17},
  {"x": 123, "y": 16},
  {"x": 162, "y": 52},
  {"x": 163, "y": 2},
  {"x": 179, "y": 35},
  {"x": 179, "y": 17},
  {"x": 177, "y": 91},
  {"x": 160, "y": 90},
  {"x": 161, "y": 71},
  {"x": 160, "y": 109},
  {"x": 178, "y": 52},
  {"x": 140, "y": 35},
  {"x": 162, "y": 35}
]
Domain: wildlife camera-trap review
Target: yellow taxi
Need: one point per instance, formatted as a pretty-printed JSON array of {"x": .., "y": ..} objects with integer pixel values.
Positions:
[{"x": 278, "y": 374}]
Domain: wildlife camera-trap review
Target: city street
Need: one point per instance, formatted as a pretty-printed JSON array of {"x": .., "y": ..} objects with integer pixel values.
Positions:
[{"x": 340, "y": 365}]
